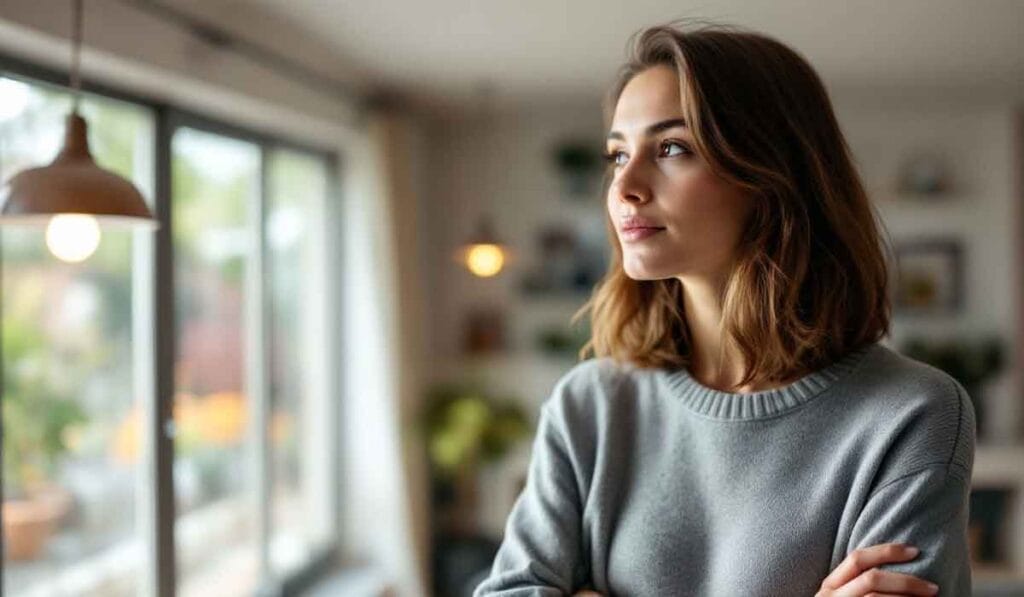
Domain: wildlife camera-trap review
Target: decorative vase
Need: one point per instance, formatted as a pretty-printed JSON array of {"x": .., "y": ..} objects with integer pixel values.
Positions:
[
  {"x": 28, "y": 523},
  {"x": 466, "y": 498}
]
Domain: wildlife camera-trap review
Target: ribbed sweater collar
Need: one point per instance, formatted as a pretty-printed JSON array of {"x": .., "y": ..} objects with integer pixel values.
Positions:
[{"x": 718, "y": 404}]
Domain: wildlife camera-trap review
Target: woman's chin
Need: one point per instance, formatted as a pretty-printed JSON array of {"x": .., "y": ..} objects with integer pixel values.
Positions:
[{"x": 644, "y": 274}]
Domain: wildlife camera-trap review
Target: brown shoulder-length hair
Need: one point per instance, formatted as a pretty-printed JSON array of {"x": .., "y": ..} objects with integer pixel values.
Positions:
[{"x": 810, "y": 280}]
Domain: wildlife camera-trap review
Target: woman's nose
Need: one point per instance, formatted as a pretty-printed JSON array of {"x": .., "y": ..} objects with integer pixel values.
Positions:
[{"x": 630, "y": 187}]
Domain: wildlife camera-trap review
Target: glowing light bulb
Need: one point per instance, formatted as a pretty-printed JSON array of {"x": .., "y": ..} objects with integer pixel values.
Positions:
[
  {"x": 485, "y": 260},
  {"x": 72, "y": 237}
]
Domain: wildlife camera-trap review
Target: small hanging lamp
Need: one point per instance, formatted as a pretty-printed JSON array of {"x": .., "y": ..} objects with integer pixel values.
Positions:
[
  {"x": 73, "y": 187},
  {"x": 483, "y": 254}
]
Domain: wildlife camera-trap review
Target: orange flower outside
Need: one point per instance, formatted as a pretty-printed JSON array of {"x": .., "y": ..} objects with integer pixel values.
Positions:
[{"x": 215, "y": 420}]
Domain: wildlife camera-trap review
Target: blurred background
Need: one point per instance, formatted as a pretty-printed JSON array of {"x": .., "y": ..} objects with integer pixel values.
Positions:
[{"x": 323, "y": 374}]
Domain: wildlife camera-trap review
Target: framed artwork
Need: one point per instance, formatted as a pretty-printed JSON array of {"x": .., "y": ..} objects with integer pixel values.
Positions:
[
  {"x": 571, "y": 259},
  {"x": 928, "y": 277},
  {"x": 924, "y": 174}
]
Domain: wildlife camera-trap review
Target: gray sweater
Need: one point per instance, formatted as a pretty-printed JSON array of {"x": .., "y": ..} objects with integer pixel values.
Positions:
[{"x": 645, "y": 482}]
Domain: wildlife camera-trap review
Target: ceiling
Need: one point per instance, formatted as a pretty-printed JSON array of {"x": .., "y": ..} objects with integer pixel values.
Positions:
[{"x": 441, "y": 53}]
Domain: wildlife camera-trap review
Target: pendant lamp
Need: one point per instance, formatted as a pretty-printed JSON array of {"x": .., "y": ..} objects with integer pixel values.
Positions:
[
  {"x": 482, "y": 253},
  {"x": 73, "y": 183}
]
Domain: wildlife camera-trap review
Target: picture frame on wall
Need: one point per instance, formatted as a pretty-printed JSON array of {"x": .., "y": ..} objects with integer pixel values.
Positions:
[
  {"x": 925, "y": 174},
  {"x": 928, "y": 277},
  {"x": 571, "y": 258}
]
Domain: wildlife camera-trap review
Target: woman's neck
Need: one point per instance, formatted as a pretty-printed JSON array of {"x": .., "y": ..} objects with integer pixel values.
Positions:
[
  {"x": 702, "y": 307},
  {"x": 714, "y": 363}
]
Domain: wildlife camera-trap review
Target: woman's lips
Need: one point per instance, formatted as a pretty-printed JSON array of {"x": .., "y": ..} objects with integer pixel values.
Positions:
[{"x": 639, "y": 233}]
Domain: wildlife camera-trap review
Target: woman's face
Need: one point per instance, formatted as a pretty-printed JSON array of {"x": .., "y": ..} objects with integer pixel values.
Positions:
[{"x": 673, "y": 217}]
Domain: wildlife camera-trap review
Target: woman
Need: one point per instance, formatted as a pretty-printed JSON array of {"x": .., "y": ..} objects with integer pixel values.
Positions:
[{"x": 742, "y": 431}]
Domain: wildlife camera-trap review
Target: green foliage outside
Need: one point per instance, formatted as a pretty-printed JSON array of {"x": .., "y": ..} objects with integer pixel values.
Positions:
[{"x": 36, "y": 414}]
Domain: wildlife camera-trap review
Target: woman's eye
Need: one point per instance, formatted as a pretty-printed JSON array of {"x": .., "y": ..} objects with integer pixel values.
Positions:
[
  {"x": 615, "y": 158},
  {"x": 680, "y": 149},
  {"x": 667, "y": 149}
]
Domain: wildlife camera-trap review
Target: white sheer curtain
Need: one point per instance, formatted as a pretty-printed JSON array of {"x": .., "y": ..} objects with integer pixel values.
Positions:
[{"x": 385, "y": 494}]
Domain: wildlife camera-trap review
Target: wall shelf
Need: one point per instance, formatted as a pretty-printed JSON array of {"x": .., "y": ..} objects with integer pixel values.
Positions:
[{"x": 1002, "y": 467}]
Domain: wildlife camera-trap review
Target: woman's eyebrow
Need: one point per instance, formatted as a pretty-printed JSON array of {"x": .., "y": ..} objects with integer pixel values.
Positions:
[{"x": 653, "y": 129}]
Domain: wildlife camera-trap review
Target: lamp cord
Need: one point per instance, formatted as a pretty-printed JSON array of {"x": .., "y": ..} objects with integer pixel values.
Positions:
[{"x": 76, "y": 54}]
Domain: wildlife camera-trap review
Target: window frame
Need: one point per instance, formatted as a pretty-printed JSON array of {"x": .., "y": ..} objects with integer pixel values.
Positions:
[{"x": 161, "y": 542}]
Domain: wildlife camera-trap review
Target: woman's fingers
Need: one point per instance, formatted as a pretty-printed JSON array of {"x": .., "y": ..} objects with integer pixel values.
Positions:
[
  {"x": 862, "y": 560},
  {"x": 875, "y": 582},
  {"x": 858, "y": 575}
]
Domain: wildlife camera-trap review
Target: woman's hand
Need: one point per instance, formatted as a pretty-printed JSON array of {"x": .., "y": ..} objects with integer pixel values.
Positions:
[{"x": 856, "y": 576}]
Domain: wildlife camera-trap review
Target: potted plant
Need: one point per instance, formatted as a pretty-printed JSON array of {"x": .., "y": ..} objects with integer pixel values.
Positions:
[
  {"x": 466, "y": 428},
  {"x": 563, "y": 341},
  {"x": 578, "y": 163},
  {"x": 36, "y": 419}
]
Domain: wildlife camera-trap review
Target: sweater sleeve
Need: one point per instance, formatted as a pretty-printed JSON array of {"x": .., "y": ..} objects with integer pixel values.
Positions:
[
  {"x": 927, "y": 509},
  {"x": 541, "y": 552},
  {"x": 926, "y": 503}
]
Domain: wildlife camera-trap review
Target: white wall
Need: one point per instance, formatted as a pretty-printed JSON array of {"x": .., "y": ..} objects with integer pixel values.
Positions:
[{"x": 503, "y": 168}]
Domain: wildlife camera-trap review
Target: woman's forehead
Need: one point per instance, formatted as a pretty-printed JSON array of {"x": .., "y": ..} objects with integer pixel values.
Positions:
[{"x": 651, "y": 96}]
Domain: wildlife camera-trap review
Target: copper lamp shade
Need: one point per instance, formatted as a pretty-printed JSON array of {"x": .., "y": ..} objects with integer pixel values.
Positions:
[{"x": 73, "y": 183}]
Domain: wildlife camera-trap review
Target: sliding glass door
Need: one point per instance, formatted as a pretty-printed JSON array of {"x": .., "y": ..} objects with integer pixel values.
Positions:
[
  {"x": 252, "y": 412},
  {"x": 215, "y": 183}
]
